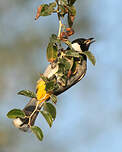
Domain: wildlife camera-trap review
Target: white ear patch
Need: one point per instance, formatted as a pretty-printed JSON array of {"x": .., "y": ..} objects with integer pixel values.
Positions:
[{"x": 76, "y": 47}]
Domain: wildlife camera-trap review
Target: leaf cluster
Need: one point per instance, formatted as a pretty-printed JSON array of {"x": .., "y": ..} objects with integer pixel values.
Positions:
[
  {"x": 48, "y": 111},
  {"x": 61, "y": 7}
]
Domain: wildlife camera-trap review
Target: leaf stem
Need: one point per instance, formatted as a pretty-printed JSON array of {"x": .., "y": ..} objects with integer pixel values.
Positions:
[
  {"x": 29, "y": 123},
  {"x": 59, "y": 18},
  {"x": 35, "y": 110},
  {"x": 60, "y": 26}
]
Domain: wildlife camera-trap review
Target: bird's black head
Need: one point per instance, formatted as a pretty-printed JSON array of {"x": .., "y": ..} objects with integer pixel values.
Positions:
[{"x": 82, "y": 44}]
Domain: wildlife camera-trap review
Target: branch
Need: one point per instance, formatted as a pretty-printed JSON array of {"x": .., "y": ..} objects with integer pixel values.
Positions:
[{"x": 59, "y": 18}]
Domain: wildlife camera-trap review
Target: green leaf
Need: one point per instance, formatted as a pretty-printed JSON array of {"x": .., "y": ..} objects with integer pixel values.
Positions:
[
  {"x": 72, "y": 53},
  {"x": 50, "y": 109},
  {"x": 50, "y": 85},
  {"x": 54, "y": 39},
  {"x": 74, "y": 67},
  {"x": 70, "y": 22},
  {"x": 38, "y": 132},
  {"x": 90, "y": 56},
  {"x": 67, "y": 64},
  {"x": 43, "y": 78},
  {"x": 61, "y": 69},
  {"x": 63, "y": 10},
  {"x": 47, "y": 117},
  {"x": 71, "y": 15},
  {"x": 47, "y": 9},
  {"x": 14, "y": 113},
  {"x": 63, "y": 2},
  {"x": 52, "y": 52},
  {"x": 71, "y": 2},
  {"x": 27, "y": 93},
  {"x": 53, "y": 98},
  {"x": 72, "y": 10},
  {"x": 68, "y": 43}
]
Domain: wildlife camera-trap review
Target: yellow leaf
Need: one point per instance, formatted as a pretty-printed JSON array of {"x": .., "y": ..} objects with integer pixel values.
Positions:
[{"x": 41, "y": 93}]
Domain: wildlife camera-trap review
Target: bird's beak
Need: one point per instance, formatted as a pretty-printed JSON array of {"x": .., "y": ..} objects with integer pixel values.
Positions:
[{"x": 89, "y": 41}]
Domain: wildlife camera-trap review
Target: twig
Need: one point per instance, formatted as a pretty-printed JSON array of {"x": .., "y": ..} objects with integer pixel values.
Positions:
[
  {"x": 60, "y": 26},
  {"x": 59, "y": 18},
  {"x": 36, "y": 109}
]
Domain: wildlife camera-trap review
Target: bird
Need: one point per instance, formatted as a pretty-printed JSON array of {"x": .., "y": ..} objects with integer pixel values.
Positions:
[{"x": 64, "y": 80}]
